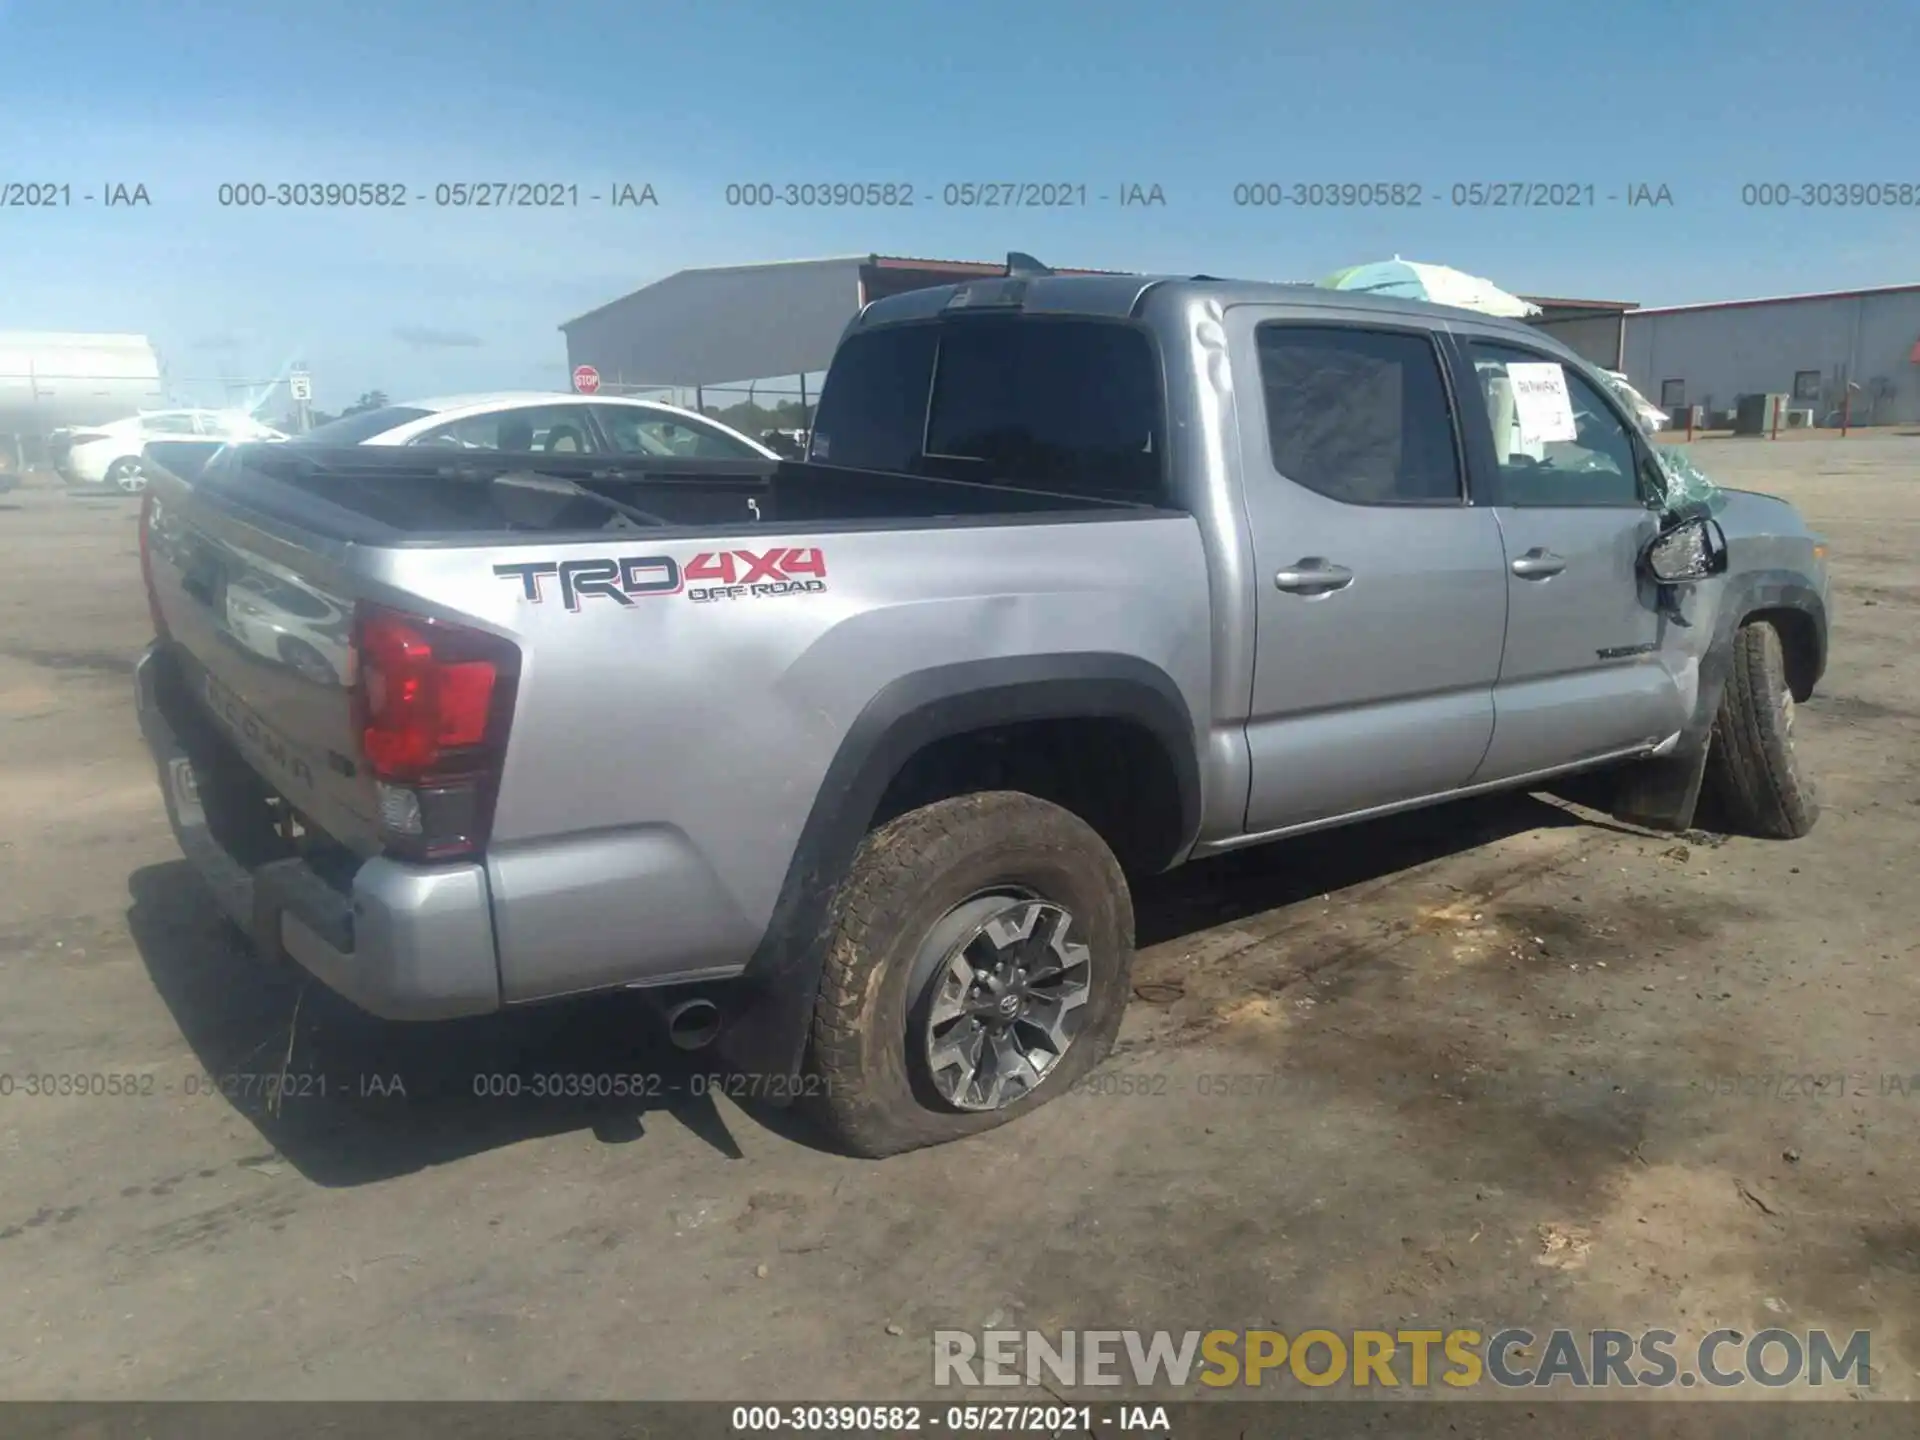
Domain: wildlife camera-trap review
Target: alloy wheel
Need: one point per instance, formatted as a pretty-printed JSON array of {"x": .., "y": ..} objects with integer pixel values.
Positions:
[{"x": 1007, "y": 984}]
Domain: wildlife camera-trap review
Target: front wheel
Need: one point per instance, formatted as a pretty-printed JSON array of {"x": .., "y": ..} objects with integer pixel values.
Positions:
[
  {"x": 978, "y": 964},
  {"x": 1756, "y": 774}
]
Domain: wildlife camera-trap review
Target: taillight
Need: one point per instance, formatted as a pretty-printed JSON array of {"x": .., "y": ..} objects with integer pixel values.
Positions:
[
  {"x": 147, "y": 507},
  {"x": 432, "y": 702}
]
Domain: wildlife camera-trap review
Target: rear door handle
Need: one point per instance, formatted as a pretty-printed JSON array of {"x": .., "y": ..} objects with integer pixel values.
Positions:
[
  {"x": 1538, "y": 564},
  {"x": 1313, "y": 576}
]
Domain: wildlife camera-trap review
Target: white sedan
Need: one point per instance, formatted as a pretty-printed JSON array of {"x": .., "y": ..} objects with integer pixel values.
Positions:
[
  {"x": 110, "y": 454},
  {"x": 543, "y": 422}
]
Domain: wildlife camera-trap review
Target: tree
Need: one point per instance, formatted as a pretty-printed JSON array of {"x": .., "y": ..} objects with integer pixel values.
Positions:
[
  {"x": 369, "y": 400},
  {"x": 753, "y": 419},
  {"x": 287, "y": 422}
]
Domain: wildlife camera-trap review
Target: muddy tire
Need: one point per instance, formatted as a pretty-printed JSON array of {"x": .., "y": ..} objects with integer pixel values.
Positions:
[
  {"x": 977, "y": 964},
  {"x": 1759, "y": 782}
]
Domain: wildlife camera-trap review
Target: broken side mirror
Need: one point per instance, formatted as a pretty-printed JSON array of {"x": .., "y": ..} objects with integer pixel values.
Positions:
[{"x": 1689, "y": 549}]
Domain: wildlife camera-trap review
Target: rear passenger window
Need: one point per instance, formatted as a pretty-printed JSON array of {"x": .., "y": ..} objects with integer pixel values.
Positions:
[
  {"x": 1360, "y": 416},
  {"x": 539, "y": 429}
]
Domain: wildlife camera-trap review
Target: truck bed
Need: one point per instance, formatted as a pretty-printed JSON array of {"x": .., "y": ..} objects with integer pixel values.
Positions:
[
  {"x": 681, "y": 651},
  {"x": 386, "y": 496}
]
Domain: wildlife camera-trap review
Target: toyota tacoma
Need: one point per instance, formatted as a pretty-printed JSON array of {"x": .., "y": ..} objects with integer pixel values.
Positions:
[{"x": 849, "y": 759}]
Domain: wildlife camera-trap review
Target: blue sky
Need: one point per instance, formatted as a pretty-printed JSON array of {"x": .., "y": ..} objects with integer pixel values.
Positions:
[{"x": 688, "y": 97}]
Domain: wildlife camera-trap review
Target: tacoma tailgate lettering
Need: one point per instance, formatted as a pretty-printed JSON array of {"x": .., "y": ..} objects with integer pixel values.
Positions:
[{"x": 241, "y": 722}]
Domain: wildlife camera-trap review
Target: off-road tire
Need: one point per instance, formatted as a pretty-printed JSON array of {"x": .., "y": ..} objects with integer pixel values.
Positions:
[
  {"x": 1758, "y": 780},
  {"x": 863, "y": 1088}
]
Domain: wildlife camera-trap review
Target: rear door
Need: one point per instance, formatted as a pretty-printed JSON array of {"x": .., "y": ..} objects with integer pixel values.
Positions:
[
  {"x": 1589, "y": 668},
  {"x": 1382, "y": 590}
]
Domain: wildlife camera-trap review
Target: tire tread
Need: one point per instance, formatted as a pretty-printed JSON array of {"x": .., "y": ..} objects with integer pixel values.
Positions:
[
  {"x": 1750, "y": 761},
  {"x": 859, "y": 1083}
]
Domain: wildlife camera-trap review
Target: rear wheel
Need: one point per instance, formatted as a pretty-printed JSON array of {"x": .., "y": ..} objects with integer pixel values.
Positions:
[
  {"x": 1756, "y": 774},
  {"x": 126, "y": 476},
  {"x": 978, "y": 964}
]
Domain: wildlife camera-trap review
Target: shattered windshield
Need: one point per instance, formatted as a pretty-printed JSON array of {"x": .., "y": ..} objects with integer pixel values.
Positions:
[{"x": 1687, "y": 483}]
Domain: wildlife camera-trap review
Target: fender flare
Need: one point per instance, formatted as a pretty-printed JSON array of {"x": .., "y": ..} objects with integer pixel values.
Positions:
[
  {"x": 1664, "y": 794},
  {"x": 774, "y": 995}
]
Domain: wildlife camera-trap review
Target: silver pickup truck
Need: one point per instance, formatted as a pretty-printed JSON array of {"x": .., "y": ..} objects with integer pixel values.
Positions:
[{"x": 848, "y": 759}]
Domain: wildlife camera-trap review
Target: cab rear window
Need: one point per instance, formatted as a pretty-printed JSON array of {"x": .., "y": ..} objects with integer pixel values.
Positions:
[{"x": 1072, "y": 406}]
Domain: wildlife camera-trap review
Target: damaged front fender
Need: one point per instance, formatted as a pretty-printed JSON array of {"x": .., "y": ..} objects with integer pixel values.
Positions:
[{"x": 1664, "y": 793}]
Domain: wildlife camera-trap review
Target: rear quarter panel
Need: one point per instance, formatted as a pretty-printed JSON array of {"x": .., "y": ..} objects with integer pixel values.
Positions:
[{"x": 665, "y": 755}]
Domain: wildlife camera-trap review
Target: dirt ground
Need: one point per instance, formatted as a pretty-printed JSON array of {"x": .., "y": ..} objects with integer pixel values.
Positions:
[{"x": 1499, "y": 1064}]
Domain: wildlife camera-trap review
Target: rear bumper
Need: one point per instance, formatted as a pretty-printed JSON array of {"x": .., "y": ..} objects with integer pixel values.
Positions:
[{"x": 409, "y": 942}]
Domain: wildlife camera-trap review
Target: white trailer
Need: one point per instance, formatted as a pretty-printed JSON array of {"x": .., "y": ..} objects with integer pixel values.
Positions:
[{"x": 52, "y": 380}]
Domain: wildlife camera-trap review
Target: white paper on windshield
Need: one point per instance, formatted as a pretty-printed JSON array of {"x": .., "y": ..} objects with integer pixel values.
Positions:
[{"x": 1541, "y": 403}]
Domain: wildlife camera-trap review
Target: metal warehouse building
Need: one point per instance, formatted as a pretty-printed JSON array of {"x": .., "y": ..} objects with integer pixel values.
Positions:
[
  {"x": 1595, "y": 330},
  {"x": 1810, "y": 348},
  {"x": 724, "y": 325}
]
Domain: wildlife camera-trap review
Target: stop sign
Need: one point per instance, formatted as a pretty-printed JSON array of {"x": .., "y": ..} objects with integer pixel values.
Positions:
[{"x": 586, "y": 379}]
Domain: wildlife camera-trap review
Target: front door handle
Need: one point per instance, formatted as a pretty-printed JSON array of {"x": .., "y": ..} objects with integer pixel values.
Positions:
[
  {"x": 1313, "y": 576},
  {"x": 1538, "y": 564}
]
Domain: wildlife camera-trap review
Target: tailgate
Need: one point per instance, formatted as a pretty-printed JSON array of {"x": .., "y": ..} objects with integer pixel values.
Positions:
[{"x": 263, "y": 639}]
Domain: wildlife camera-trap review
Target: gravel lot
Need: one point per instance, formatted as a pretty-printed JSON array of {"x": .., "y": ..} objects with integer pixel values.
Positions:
[{"x": 1502, "y": 1064}]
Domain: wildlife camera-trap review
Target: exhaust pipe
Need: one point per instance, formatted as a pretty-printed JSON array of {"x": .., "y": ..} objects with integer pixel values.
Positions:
[{"x": 693, "y": 1024}]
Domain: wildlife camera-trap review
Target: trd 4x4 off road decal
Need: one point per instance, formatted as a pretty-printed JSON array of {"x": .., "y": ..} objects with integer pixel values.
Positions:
[
  {"x": 733, "y": 575},
  {"x": 741, "y": 573}
]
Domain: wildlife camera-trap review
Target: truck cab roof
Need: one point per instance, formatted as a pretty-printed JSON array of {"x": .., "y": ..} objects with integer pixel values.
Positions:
[{"x": 1119, "y": 296}]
